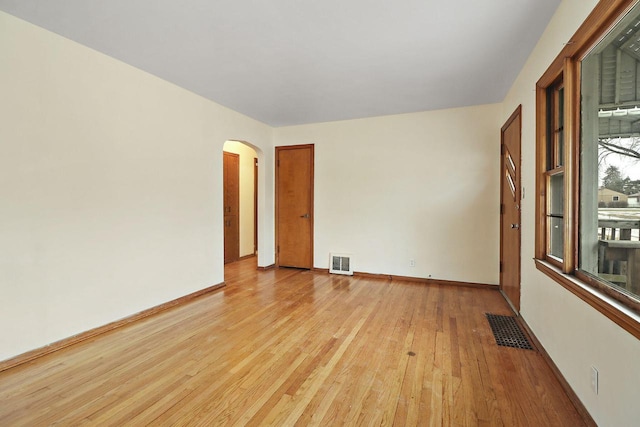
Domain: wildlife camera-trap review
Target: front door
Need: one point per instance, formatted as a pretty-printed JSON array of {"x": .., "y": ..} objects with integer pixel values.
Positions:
[
  {"x": 294, "y": 206},
  {"x": 510, "y": 209}
]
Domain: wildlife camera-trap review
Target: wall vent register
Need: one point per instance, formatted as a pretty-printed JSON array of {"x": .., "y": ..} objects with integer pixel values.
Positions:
[{"x": 341, "y": 264}]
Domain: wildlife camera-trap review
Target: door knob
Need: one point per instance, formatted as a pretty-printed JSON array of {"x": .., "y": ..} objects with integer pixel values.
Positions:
[
  {"x": 515, "y": 225},
  {"x": 304, "y": 216}
]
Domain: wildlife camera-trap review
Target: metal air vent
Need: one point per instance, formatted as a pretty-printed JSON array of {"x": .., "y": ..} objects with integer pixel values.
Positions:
[
  {"x": 507, "y": 332},
  {"x": 340, "y": 264}
]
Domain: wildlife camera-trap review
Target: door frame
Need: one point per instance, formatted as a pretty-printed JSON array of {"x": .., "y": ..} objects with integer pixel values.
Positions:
[
  {"x": 516, "y": 115},
  {"x": 311, "y": 198}
]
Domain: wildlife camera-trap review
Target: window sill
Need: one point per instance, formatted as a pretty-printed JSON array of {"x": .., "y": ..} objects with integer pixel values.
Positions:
[{"x": 613, "y": 309}]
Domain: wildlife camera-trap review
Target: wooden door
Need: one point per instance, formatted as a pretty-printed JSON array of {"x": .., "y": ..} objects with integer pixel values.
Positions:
[
  {"x": 510, "y": 196},
  {"x": 231, "y": 173},
  {"x": 294, "y": 206},
  {"x": 255, "y": 206}
]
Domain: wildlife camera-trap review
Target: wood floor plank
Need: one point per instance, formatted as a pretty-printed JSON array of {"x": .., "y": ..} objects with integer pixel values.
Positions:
[{"x": 291, "y": 347}]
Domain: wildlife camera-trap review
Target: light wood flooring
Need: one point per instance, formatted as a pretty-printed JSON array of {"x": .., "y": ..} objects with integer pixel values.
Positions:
[{"x": 288, "y": 347}]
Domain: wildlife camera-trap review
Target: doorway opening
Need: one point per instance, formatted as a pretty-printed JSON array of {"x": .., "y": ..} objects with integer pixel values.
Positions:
[{"x": 240, "y": 210}]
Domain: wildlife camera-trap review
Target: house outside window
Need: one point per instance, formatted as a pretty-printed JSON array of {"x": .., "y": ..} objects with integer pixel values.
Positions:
[{"x": 588, "y": 164}]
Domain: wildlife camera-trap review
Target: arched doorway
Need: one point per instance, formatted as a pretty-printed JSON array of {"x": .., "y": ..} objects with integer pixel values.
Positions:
[{"x": 240, "y": 189}]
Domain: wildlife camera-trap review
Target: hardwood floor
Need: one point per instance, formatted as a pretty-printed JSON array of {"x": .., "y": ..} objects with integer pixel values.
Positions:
[{"x": 287, "y": 347}]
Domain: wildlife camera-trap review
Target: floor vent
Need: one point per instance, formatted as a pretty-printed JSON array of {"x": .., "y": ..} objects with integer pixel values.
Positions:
[
  {"x": 507, "y": 332},
  {"x": 341, "y": 264}
]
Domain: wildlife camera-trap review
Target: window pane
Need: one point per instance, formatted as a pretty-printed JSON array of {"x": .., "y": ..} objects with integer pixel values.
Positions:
[
  {"x": 555, "y": 215},
  {"x": 561, "y": 106},
  {"x": 556, "y": 237},
  {"x": 609, "y": 164},
  {"x": 560, "y": 136},
  {"x": 556, "y": 190}
]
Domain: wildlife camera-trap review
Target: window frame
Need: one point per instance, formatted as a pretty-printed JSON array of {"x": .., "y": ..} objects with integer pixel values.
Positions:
[{"x": 565, "y": 72}]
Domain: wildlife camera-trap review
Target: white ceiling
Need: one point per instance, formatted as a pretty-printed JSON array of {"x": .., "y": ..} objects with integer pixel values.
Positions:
[{"x": 287, "y": 62}]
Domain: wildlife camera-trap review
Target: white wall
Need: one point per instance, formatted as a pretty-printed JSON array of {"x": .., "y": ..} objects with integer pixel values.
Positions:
[
  {"x": 247, "y": 156},
  {"x": 575, "y": 335},
  {"x": 420, "y": 186},
  {"x": 110, "y": 188}
]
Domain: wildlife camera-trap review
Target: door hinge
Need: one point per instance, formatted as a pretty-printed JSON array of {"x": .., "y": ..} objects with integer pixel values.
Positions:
[
  {"x": 278, "y": 248},
  {"x": 500, "y": 266},
  {"x": 501, "y": 149},
  {"x": 501, "y": 208}
]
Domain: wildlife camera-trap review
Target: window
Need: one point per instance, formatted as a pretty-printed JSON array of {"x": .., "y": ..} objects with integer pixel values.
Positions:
[
  {"x": 554, "y": 176},
  {"x": 588, "y": 163}
]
